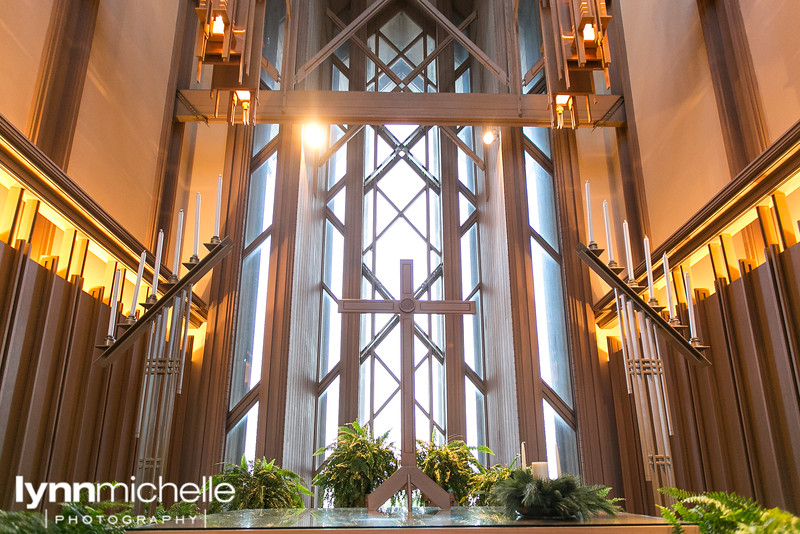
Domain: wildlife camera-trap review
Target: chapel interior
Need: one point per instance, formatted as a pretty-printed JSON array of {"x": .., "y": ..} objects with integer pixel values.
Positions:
[{"x": 280, "y": 156}]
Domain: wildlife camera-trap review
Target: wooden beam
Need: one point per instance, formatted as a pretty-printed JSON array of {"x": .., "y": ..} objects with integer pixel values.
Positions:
[
  {"x": 363, "y": 107},
  {"x": 463, "y": 146},
  {"x": 337, "y": 41},
  {"x": 471, "y": 47}
]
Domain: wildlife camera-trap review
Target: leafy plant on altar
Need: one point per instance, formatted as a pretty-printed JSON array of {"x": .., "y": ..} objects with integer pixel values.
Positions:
[
  {"x": 359, "y": 462},
  {"x": 724, "y": 513},
  {"x": 484, "y": 481},
  {"x": 260, "y": 484},
  {"x": 451, "y": 465},
  {"x": 523, "y": 494}
]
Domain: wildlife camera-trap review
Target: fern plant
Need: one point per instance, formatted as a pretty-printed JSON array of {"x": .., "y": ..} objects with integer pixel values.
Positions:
[
  {"x": 725, "y": 513},
  {"x": 452, "y": 466},
  {"x": 565, "y": 497},
  {"x": 260, "y": 484},
  {"x": 483, "y": 482},
  {"x": 357, "y": 465}
]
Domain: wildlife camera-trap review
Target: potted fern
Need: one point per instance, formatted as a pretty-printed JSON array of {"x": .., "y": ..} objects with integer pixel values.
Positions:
[
  {"x": 529, "y": 496},
  {"x": 452, "y": 466},
  {"x": 260, "y": 484},
  {"x": 359, "y": 462},
  {"x": 484, "y": 481}
]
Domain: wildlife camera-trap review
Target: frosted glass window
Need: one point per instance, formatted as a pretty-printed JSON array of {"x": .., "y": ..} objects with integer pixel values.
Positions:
[
  {"x": 261, "y": 200},
  {"x": 241, "y": 440},
  {"x": 249, "y": 345},
  {"x": 561, "y": 443},
  {"x": 554, "y": 361}
]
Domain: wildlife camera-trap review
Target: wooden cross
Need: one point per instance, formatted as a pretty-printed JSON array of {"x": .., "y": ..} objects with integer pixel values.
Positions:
[{"x": 408, "y": 474}]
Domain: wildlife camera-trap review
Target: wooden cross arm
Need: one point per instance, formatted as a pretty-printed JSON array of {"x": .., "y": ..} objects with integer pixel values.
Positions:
[
  {"x": 368, "y": 306},
  {"x": 446, "y": 307}
]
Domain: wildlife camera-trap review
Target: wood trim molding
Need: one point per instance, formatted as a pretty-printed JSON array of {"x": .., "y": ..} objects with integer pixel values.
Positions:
[{"x": 755, "y": 182}]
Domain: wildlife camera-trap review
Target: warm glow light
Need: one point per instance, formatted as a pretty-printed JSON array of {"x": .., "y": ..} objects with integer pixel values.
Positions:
[
  {"x": 243, "y": 95},
  {"x": 488, "y": 137},
  {"x": 218, "y": 26},
  {"x": 313, "y": 135},
  {"x": 562, "y": 100},
  {"x": 588, "y": 33}
]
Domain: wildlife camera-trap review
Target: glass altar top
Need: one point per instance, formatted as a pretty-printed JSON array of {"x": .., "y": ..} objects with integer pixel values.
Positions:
[{"x": 352, "y": 518}]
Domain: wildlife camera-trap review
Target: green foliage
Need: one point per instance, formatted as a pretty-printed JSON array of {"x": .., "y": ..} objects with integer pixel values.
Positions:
[
  {"x": 484, "y": 482},
  {"x": 725, "y": 513},
  {"x": 104, "y": 517},
  {"x": 358, "y": 464},
  {"x": 21, "y": 523},
  {"x": 452, "y": 466},
  {"x": 565, "y": 497},
  {"x": 260, "y": 484}
]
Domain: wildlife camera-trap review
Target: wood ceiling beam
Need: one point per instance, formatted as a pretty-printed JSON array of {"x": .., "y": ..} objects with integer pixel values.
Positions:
[{"x": 360, "y": 107}]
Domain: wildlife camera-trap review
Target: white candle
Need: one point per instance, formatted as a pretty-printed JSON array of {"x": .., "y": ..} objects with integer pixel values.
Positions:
[
  {"x": 608, "y": 232},
  {"x": 112, "y": 318},
  {"x": 649, "y": 264},
  {"x": 522, "y": 453},
  {"x": 219, "y": 205},
  {"x": 139, "y": 275},
  {"x": 628, "y": 255},
  {"x": 196, "y": 224},
  {"x": 176, "y": 264},
  {"x": 539, "y": 469},
  {"x": 667, "y": 279},
  {"x": 157, "y": 264},
  {"x": 590, "y": 232},
  {"x": 690, "y": 304}
]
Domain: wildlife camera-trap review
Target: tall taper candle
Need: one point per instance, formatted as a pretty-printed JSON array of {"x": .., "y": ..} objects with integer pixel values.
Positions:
[
  {"x": 112, "y": 318},
  {"x": 668, "y": 279},
  {"x": 608, "y": 232},
  {"x": 219, "y": 205},
  {"x": 157, "y": 264},
  {"x": 590, "y": 230},
  {"x": 690, "y": 304},
  {"x": 628, "y": 255},
  {"x": 649, "y": 264},
  {"x": 176, "y": 263},
  {"x": 196, "y": 224},
  {"x": 139, "y": 275},
  {"x": 523, "y": 458}
]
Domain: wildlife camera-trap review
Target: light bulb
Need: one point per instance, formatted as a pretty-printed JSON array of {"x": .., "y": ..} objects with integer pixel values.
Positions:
[
  {"x": 313, "y": 135},
  {"x": 488, "y": 137},
  {"x": 588, "y": 33},
  {"x": 218, "y": 26}
]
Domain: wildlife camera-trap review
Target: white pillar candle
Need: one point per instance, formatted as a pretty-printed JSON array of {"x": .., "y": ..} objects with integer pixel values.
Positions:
[
  {"x": 219, "y": 205},
  {"x": 628, "y": 255},
  {"x": 523, "y": 458},
  {"x": 176, "y": 263},
  {"x": 690, "y": 304},
  {"x": 649, "y": 264},
  {"x": 139, "y": 274},
  {"x": 112, "y": 318},
  {"x": 590, "y": 231},
  {"x": 157, "y": 264},
  {"x": 608, "y": 232},
  {"x": 540, "y": 469},
  {"x": 197, "y": 224},
  {"x": 668, "y": 280}
]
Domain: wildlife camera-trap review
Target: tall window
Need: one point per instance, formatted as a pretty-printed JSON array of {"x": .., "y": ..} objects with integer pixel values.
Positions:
[
  {"x": 412, "y": 204},
  {"x": 548, "y": 291},
  {"x": 248, "y": 348}
]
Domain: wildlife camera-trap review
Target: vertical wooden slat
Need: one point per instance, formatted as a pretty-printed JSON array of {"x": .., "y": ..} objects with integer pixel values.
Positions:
[
  {"x": 766, "y": 225},
  {"x": 24, "y": 228},
  {"x": 784, "y": 220},
  {"x": 717, "y": 261},
  {"x": 10, "y": 214},
  {"x": 729, "y": 256}
]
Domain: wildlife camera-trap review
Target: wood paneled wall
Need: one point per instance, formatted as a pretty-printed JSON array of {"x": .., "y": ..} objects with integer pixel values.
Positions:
[
  {"x": 61, "y": 418},
  {"x": 737, "y": 422}
]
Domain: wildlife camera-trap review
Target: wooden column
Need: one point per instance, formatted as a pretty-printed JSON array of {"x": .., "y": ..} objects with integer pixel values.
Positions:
[
  {"x": 592, "y": 400},
  {"x": 741, "y": 115},
  {"x": 526, "y": 348},
  {"x": 62, "y": 74},
  {"x": 634, "y": 198},
  {"x": 210, "y": 413}
]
